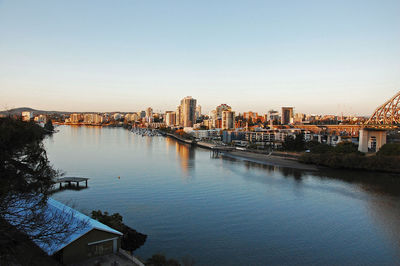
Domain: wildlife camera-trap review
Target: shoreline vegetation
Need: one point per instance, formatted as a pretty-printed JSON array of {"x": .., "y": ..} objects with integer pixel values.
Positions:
[
  {"x": 131, "y": 239},
  {"x": 346, "y": 156}
]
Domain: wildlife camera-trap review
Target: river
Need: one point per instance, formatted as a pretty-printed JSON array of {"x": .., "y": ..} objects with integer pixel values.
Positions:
[{"x": 224, "y": 211}]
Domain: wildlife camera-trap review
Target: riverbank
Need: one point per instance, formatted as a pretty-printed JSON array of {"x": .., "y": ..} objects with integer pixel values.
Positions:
[
  {"x": 280, "y": 159},
  {"x": 179, "y": 138},
  {"x": 354, "y": 161},
  {"x": 272, "y": 160}
]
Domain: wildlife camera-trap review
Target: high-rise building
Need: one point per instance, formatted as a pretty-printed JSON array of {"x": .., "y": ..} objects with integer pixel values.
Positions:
[
  {"x": 170, "y": 118},
  {"x": 149, "y": 112},
  {"x": 228, "y": 120},
  {"x": 287, "y": 115},
  {"x": 188, "y": 112},
  {"x": 178, "y": 116},
  {"x": 222, "y": 107},
  {"x": 198, "y": 111},
  {"x": 273, "y": 116}
]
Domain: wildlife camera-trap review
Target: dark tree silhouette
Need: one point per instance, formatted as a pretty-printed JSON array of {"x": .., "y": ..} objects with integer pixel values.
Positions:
[
  {"x": 131, "y": 239},
  {"x": 26, "y": 180}
]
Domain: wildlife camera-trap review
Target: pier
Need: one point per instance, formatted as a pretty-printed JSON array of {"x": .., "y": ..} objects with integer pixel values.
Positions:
[
  {"x": 217, "y": 150},
  {"x": 70, "y": 180}
]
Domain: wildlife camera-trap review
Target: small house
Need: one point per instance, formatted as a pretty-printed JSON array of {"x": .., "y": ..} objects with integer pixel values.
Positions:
[{"x": 86, "y": 239}]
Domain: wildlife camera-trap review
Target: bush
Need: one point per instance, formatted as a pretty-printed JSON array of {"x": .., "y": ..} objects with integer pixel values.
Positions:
[
  {"x": 321, "y": 148},
  {"x": 346, "y": 147},
  {"x": 389, "y": 149},
  {"x": 294, "y": 143},
  {"x": 131, "y": 239},
  {"x": 353, "y": 161},
  {"x": 49, "y": 126}
]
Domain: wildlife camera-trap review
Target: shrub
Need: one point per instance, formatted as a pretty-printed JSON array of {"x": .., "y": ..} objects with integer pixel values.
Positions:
[
  {"x": 389, "y": 149},
  {"x": 346, "y": 147},
  {"x": 321, "y": 148}
]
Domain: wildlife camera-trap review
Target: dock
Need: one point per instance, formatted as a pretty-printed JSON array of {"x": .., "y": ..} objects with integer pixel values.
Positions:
[
  {"x": 70, "y": 180},
  {"x": 217, "y": 150}
]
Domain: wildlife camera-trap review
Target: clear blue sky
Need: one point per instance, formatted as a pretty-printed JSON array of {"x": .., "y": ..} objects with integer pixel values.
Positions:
[{"x": 319, "y": 56}]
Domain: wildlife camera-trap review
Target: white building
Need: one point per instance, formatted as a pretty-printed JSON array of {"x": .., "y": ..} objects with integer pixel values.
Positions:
[
  {"x": 228, "y": 120},
  {"x": 93, "y": 119},
  {"x": 170, "y": 118},
  {"x": 27, "y": 116}
]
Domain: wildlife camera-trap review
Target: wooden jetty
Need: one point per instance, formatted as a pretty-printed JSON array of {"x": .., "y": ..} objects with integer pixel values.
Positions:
[{"x": 70, "y": 180}]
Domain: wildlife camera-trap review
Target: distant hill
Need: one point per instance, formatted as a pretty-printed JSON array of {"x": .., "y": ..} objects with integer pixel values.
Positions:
[{"x": 19, "y": 110}]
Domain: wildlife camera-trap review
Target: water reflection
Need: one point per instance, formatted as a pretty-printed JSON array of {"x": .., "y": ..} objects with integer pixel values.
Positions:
[
  {"x": 149, "y": 142},
  {"x": 373, "y": 182},
  {"x": 386, "y": 214},
  {"x": 270, "y": 169},
  {"x": 186, "y": 156}
]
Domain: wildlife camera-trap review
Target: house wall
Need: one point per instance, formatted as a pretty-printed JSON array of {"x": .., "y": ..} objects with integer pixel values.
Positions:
[{"x": 79, "y": 250}]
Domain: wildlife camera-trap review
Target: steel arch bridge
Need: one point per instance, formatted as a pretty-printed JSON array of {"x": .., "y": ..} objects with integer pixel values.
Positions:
[
  {"x": 386, "y": 115},
  {"x": 372, "y": 135}
]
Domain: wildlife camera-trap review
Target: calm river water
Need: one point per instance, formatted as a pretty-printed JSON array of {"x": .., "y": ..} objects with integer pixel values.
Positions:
[{"x": 225, "y": 211}]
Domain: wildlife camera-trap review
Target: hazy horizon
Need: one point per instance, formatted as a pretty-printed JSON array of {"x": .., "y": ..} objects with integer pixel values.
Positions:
[{"x": 319, "y": 57}]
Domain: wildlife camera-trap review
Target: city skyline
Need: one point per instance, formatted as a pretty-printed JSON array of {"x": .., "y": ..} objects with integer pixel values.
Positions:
[{"x": 322, "y": 58}]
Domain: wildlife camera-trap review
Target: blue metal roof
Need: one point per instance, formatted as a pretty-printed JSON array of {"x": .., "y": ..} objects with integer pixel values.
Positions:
[{"x": 79, "y": 222}]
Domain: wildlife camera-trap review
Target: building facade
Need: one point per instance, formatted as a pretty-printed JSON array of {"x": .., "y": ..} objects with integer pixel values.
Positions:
[
  {"x": 287, "y": 115},
  {"x": 170, "y": 118},
  {"x": 220, "y": 108},
  {"x": 188, "y": 112},
  {"x": 228, "y": 120}
]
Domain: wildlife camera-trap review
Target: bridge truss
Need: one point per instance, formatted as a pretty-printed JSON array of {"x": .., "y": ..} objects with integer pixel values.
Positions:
[{"x": 386, "y": 115}]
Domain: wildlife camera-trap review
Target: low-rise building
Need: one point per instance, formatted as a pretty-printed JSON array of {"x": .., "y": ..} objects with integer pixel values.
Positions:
[
  {"x": 27, "y": 116},
  {"x": 90, "y": 239}
]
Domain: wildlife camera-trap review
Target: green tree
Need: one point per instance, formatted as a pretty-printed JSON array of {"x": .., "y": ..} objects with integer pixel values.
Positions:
[
  {"x": 294, "y": 143},
  {"x": 389, "y": 149},
  {"x": 49, "y": 126},
  {"x": 131, "y": 239},
  {"x": 321, "y": 148},
  {"x": 346, "y": 147}
]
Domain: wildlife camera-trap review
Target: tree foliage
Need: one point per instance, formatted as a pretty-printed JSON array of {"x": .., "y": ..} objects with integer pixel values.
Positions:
[
  {"x": 24, "y": 167},
  {"x": 294, "y": 143},
  {"x": 131, "y": 239},
  {"x": 26, "y": 180},
  {"x": 389, "y": 149},
  {"x": 354, "y": 161},
  {"x": 49, "y": 126},
  {"x": 346, "y": 147}
]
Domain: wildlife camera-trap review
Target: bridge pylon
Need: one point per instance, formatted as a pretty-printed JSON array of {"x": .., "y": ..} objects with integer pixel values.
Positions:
[
  {"x": 371, "y": 139},
  {"x": 386, "y": 117}
]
